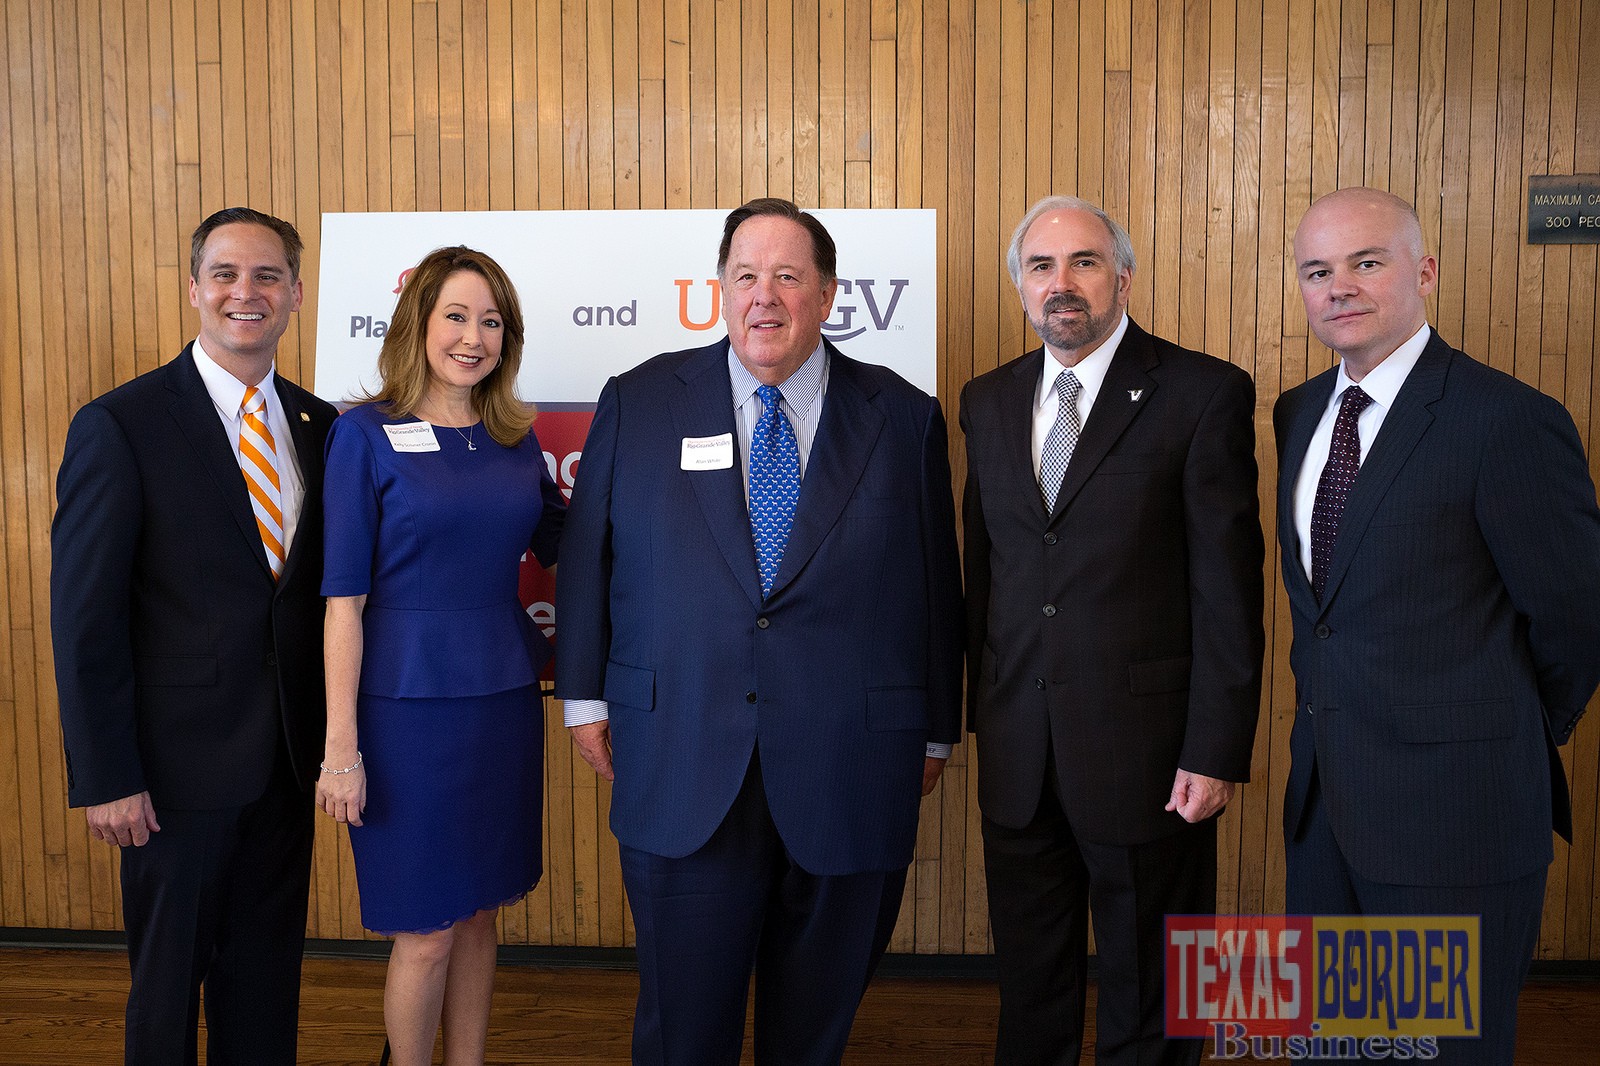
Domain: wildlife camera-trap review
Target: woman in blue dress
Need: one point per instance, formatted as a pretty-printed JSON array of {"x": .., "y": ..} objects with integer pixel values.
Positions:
[{"x": 434, "y": 490}]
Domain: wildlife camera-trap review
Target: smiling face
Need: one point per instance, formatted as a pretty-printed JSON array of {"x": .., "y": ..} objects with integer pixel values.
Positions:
[
  {"x": 774, "y": 299},
  {"x": 1072, "y": 289},
  {"x": 245, "y": 293},
  {"x": 465, "y": 332},
  {"x": 1363, "y": 275}
]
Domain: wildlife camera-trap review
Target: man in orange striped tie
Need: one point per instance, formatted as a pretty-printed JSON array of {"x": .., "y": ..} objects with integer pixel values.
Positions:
[{"x": 187, "y": 554}]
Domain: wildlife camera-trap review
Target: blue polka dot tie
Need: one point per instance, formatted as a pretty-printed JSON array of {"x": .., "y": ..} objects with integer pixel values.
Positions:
[
  {"x": 774, "y": 484},
  {"x": 1333, "y": 487}
]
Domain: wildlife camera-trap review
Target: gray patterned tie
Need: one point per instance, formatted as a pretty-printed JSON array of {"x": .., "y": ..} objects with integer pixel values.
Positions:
[{"x": 1063, "y": 438}]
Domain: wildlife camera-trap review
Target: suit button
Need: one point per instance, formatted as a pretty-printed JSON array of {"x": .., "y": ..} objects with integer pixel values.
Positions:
[
  {"x": 1049, "y": 610},
  {"x": 749, "y": 697},
  {"x": 272, "y": 660},
  {"x": 1038, "y": 683},
  {"x": 1308, "y": 708},
  {"x": 762, "y": 623},
  {"x": 1049, "y": 538},
  {"x": 1322, "y": 631}
]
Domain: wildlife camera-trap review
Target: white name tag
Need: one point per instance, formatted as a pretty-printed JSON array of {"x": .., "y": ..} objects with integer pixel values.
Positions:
[
  {"x": 412, "y": 437},
  {"x": 707, "y": 453}
]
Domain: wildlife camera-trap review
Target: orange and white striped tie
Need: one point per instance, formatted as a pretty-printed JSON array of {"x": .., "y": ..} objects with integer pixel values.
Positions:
[{"x": 258, "y": 458}]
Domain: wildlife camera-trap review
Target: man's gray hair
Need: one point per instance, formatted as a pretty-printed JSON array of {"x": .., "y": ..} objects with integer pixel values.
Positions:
[{"x": 1121, "y": 243}]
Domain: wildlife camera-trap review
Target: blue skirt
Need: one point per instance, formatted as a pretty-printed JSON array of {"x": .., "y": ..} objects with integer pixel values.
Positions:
[{"x": 455, "y": 791}]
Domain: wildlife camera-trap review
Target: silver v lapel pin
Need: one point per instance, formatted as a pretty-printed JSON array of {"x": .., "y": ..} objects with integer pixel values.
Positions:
[{"x": 1134, "y": 394}]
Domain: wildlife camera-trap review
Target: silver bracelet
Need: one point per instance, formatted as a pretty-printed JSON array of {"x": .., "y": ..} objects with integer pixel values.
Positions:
[{"x": 330, "y": 770}]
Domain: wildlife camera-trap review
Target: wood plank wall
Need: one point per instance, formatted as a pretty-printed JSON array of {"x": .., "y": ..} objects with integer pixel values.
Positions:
[{"x": 1206, "y": 125}]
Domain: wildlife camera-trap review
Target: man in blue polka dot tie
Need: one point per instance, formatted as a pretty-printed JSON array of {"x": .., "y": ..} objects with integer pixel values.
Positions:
[{"x": 761, "y": 645}]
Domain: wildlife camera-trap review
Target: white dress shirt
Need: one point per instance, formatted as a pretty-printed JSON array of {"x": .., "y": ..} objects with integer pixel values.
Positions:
[
  {"x": 227, "y": 394},
  {"x": 1091, "y": 374},
  {"x": 1383, "y": 385}
]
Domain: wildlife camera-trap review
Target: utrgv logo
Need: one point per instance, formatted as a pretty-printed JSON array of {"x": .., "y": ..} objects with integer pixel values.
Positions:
[{"x": 844, "y": 313}]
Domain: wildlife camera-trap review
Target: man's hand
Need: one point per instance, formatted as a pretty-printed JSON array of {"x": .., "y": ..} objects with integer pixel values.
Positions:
[
  {"x": 129, "y": 820},
  {"x": 594, "y": 744},
  {"x": 1197, "y": 797},
  {"x": 932, "y": 767}
]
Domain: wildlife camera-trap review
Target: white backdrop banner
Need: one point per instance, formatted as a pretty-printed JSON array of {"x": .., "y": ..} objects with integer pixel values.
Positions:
[{"x": 602, "y": 291}]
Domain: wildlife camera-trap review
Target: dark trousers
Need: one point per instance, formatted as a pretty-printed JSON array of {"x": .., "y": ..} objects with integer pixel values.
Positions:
[
  {"x": 219, "y": 898},
  {"x": 738, "y": 904},
  {"x": 1042, "y": 879},
  {"x": 1320, "y": 881}
]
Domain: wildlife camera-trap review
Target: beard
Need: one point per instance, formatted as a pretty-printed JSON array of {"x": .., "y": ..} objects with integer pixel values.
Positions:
[{"x": 1070, "y": 336}]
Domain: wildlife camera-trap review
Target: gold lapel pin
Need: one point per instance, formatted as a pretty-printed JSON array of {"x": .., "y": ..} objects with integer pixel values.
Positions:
[{"x": 304, "y": 417}]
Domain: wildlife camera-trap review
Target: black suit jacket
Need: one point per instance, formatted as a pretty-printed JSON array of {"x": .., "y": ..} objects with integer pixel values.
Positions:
[
  {"x": 180, "y": 664},
  {"x": 1122, "y": 634},
  {"x": 1459, "y": 634}
]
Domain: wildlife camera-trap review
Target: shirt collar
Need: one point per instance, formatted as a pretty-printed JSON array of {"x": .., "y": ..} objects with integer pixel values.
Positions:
[
  {"x": 799, "y": 390},
  {"x": 1383, "y": 383},
  {"x": 1090, "y": 371},
  {"x": 227, "y": 391}
]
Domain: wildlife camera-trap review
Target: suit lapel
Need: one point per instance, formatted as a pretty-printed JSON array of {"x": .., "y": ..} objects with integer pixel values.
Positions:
[
  {"x": 196, "y": 416},
  {"x": 1402, "y": 428},
  {"x": 1308, "y": 406},
  {"x": 1125, "y": 392},
  {"x": 704, "y": 408},
  {"x": 309, "y": 459},
  {"x": 840, "y": 450},
  {"x": 1018, "y": 394}
]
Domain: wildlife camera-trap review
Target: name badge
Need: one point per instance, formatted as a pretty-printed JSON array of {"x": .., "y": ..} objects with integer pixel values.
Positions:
[
  {"x": 707, "y": 453},
  {"x": 412, "y": 437}
]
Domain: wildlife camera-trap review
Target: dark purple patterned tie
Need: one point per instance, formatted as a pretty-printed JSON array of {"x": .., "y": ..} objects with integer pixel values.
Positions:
[{"x": 1333, "y": 488}]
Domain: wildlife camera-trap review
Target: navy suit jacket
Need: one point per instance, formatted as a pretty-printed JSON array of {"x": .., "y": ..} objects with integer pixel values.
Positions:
[
  {"x": 181, "y": 664},
  {"x": 838, "y": 679},
  {"x": 1458, "y": 638},
  {"x": 1121, "y": 635}
]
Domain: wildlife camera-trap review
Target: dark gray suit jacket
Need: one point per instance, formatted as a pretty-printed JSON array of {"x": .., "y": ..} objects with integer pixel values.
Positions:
[{"x": 1121, "y": 635}]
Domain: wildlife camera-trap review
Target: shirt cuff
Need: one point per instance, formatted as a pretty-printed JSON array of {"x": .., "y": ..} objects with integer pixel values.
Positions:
[
  {"x": 939, "y": 751},
  {"x": 584, "y": 712}
]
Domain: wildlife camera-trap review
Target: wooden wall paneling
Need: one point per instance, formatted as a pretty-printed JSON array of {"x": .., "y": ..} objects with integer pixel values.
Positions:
[
  {"x": 1264, "y": 331},
  {"x": 551, "y": 124},
  {"x": 63, "y": 368},
  {"x": 399, "y": 92},
  {"x": 1091, "y": 114},
  {"x": 1403, "y": 109},
  {"x": 1352, "y": 93},
  {"x": 352, "y": 90},
  {"x": 597, "y": 45},
  {"x": 778, "y": 61},
  {"x": 747, "y": 53},
  {"x": 13, "y": 518},
  {"x": 1206, "y": 127},
  {"x": 1377, "y": 108},
  {"x": 909, "y": 116},
  {"x": 498, "y": 117},
  {"x": 453, "y": 116},
  {"x": 1140, "y": 217},
  {"x": 1506, "y": 240},
  {"x": 625, "y": 97},
  {"x": 426, "y": 90},
  {"x": 525, "y": 105},
  {"x": 366, "y": 88}
]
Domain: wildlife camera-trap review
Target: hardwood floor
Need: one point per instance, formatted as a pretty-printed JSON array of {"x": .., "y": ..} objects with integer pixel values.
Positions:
[{"x": 63, "y": 1007}]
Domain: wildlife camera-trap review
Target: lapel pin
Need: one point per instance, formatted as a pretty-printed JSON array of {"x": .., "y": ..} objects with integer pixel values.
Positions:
[
  {"x": 1133, "y": 394},
  {"x": 304, "y": 417}
]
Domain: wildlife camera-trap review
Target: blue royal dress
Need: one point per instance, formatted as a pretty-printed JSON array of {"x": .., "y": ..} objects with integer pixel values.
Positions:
[{"x": 448, "y": 714}]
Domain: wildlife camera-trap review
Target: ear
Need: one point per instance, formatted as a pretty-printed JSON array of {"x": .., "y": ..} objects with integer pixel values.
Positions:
[{"x": 1428, "y": 275}]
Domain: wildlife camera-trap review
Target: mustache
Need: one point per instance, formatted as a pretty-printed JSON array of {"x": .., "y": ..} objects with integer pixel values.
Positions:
[{"x": 1065, "y": 302}]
